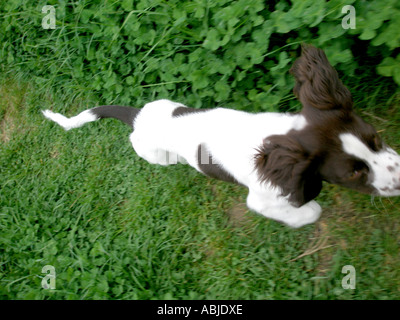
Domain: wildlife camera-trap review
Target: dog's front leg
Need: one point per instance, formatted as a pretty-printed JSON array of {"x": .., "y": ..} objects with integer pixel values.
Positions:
[{"x": 273, "y": 206}]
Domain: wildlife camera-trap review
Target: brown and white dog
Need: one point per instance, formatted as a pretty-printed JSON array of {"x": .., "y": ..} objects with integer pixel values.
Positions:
[{"x": 281, "y": 158}]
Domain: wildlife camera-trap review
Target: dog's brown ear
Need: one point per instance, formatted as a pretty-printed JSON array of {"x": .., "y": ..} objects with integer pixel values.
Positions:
[
  {"x": 317, "y": 82},
  {"x": 282, "y": 162}
]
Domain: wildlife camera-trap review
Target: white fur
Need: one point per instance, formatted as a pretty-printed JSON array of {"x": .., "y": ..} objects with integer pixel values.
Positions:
[
  {"x": 232, "y": 137},
  {"x": 384, "y": 180},
  {"x": 158, "y": 136},
  {"x": 70, "y": 123}
]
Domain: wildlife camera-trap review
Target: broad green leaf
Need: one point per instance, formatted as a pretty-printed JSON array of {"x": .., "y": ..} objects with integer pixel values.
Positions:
[
  {"x": 212, "y": 41},
  {"x": 367, "y": 34},
  {"x": 388, "y": 66}
]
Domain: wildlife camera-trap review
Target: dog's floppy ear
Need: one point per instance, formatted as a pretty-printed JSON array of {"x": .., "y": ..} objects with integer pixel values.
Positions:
[
  {"x": 282, "y": 162},
  {"x": 317, "y": 82}
]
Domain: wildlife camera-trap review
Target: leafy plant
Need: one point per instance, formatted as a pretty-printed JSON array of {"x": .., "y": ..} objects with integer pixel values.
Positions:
[
  {"x": 163, "y": 233},
  {"x": 200, "y": 52}
]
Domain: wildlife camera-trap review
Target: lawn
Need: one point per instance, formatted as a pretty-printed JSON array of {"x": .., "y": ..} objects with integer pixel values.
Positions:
[{"x": 115, "y": 227}]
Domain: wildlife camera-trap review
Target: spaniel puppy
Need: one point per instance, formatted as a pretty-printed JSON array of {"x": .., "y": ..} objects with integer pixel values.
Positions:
[{"x": 281, "y": 158}]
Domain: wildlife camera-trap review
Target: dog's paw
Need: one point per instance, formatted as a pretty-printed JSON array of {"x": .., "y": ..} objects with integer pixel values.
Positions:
[{"x": 306, "y": 214}]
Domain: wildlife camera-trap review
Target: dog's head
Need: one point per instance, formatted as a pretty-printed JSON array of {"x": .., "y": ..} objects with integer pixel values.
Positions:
[{"x": 336, "y": 146}]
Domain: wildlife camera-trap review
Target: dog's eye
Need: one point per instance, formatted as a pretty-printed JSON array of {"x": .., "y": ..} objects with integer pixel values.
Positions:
[
  {"x": 355, "y": 174},
  {"x": 358, "y": 168}
]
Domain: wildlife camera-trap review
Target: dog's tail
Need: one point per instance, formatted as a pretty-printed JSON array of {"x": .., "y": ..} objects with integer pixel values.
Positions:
[{"x": 124, "y": 114}]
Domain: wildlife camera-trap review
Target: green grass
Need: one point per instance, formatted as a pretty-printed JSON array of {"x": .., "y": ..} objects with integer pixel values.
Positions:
[{"x": 116, "y": 227}]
